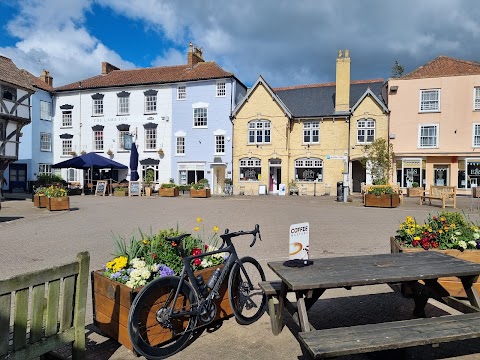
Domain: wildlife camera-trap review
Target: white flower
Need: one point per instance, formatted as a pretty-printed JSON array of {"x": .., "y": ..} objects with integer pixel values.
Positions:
[
  {"x": 145, "y": 274},
  {"x": 462, "y": 244},
  {"x": 135, "y": 274},
  {"x": 458, "y": 233},
  {"x": 154, "y": 267},
  {"x": 476, "y": 235},
  {"x": 472, "y": 243},
  {"x": 129, "y": 283},
  {"x": 137, "y": 263}
]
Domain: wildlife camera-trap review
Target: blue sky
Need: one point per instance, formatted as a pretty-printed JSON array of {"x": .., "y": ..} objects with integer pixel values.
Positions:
[{"x": 287, "y": 42}]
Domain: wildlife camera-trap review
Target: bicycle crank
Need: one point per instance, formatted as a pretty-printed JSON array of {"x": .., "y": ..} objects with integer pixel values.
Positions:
[{"x": 207, "y": 311}]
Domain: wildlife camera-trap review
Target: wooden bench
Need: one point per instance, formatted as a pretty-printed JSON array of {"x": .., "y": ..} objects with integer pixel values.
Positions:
[
  {"x": 446, "y": 194},
  {"x": 57, "y": 300},
  {"x": 392, "y": 335}
]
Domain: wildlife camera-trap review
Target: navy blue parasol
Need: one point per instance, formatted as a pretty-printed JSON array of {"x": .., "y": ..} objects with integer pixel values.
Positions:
[
  {"x": 134, "y": 163},
  {"x": 90, "y": 161}
]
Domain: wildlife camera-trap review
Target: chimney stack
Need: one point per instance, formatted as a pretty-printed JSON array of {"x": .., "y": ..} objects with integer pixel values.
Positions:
[
  {"x": 46, "y": 78},
  {"x": 107, "y": 68},
  {"x": 342, "y": 83},
  {"x": 194, "y": 55}
]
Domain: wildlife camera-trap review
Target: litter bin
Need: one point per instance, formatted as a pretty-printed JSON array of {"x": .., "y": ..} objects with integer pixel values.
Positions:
[{"x": 340, "y": 191}]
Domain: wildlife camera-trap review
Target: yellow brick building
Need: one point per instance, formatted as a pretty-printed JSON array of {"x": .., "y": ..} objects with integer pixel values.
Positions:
[{"x": 310, "y": 136}]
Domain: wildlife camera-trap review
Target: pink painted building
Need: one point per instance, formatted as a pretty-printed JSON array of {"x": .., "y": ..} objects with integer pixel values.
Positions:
[{"x": 435, "y": 124}]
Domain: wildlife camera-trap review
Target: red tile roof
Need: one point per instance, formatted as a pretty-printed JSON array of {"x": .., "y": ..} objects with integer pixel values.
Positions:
[
  {"x": 444, "y": 66},
  {"x": 9, "y": 73},
  {"x": 326, "y": 84},
  {"x": 156, "y": 75},
  {"x": 36, "y": 82}
]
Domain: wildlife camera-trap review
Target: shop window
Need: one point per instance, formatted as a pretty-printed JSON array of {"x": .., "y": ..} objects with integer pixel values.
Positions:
[
  {"x": 309, "y": 169},
  {"x": 250, "y": 169}
]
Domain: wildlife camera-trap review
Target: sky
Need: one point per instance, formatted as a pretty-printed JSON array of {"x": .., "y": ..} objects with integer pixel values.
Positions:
[{"x": 287, "y": 42}]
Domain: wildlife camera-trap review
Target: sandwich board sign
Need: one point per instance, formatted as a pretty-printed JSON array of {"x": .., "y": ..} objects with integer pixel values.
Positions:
[{"x": 299, "y": 241}]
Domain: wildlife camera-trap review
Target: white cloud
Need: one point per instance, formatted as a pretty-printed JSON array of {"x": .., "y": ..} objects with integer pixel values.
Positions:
[{"x": 288, "y": 42}]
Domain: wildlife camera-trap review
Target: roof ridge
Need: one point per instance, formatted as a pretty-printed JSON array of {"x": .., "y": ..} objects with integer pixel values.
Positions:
[
  {"x": 307, "y": 86},
  {"x": 417, "y": 73}
]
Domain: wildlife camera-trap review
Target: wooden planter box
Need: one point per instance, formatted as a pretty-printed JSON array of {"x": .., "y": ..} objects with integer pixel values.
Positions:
[
  {"x": 58, "y": 203},
  {"x": 385, "y": 200},
  {"x": 40, "y": 201},
  {"x": 452, "y": 284},
  {"x": 415, "y": 192},
  {"x": 201, "y": 193},
  {"x": 122, "y": 192},
  {"x": 168, "y": 192},
  {"x": 112, "y": 301}
]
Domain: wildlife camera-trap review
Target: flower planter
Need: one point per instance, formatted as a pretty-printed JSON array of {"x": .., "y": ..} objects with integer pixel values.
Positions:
[
  {"x": 112, "y": 301},
  {"x": 200, "y": 193},
  {"x": 452, "y": 284},
  {"x": 384, "y": 200},
  {"x": 415, "y": 192},
  {"x": 40, "y": 201},
  {"x": 58, "y": 203},
  {"x": 148, "y": 191},
  {"x": 168, "y": 192},
  {"x": 121, "y": 192}
]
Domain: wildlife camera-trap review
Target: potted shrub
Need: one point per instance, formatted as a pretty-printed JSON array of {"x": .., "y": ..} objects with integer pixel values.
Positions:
[
  {"x": 292, "y": 187},
  {"x": 120, "y": 191},
  {"x": 39, "y": 198},
  {"x": 201, "y": 189},
  {"x": 152, "y": 256},
  {"x": 148, "y": 181},
  {"x": 415, "y": 190},
  {"x": 448, "y": 232},
  {"x": 169, "y": 189},
  {"x": 381, "y": 196},
  {"x": 57, "y": 198}
]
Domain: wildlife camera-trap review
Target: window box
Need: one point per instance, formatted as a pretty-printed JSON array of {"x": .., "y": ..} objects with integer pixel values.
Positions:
[
  {"x": 415, "y": 191},
  {"x": 112, "y": 301}
]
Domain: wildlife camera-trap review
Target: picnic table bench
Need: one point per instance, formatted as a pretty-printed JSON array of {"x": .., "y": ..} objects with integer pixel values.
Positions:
[
  {"x": 309, "y": 283},
  {"x": 446, "y": 194}
]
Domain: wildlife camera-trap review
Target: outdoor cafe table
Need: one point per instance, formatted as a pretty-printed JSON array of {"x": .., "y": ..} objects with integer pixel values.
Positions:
[{"x": 310, "y": 282}]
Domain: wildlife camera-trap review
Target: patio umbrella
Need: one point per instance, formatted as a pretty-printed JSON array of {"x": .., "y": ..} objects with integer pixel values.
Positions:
[
  {"x": 89, "y": 161},
  {"x": 134, "y": 163}
]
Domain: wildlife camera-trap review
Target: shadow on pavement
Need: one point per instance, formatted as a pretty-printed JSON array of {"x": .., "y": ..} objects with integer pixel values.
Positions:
[{"x": 9, "y": 218}]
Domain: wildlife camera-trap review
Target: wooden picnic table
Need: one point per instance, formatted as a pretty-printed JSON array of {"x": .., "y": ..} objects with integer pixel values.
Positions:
[{"x": 310, "y": 282}]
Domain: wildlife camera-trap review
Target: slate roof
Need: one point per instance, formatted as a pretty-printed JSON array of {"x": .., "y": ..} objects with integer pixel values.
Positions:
[
  {"x": 155, "y": 75},
  {"x": 444, "y": 66},
  {"x": 318, "y": 100},
  {"x": 36, "y": 82},
  {"x": 9, "y": 73}
]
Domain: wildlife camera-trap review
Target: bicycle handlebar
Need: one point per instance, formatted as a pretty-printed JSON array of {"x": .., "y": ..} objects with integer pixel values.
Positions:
[{"x": 229, "y": 235}]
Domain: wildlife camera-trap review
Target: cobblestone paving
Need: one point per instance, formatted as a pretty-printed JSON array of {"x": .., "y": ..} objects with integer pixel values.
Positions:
[{"x": 33, "y": 238}]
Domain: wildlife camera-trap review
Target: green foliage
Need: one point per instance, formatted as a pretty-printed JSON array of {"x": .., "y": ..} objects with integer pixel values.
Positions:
[
  {"x": 415, "y": 184},
  {"x": 446, "y": 230},
  {"x": 55, "y": 191},
  {"x": 397, "y": 70},
  {"x": 379, "y": 157},
  {"x": 149, "y": 176},
  {"x": 45, "y": 179},
  {"x": 168, "y": 185},
  {"x": 380, "y": 190},
  {"x": 201, "y": 184},
  {"x": 228, "y": 181}
]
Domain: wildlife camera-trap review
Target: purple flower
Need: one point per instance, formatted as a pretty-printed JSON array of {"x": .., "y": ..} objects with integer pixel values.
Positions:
[
  {"x": 478, "y": 244},
  {"x": 115, "y": 275},
  {"x": 164, "y": 270}
]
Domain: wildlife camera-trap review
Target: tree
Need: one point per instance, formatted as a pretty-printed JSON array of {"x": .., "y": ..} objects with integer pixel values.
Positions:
[
  {"x": 379, "y": 157},
  {"x": 397, "y": 70}
]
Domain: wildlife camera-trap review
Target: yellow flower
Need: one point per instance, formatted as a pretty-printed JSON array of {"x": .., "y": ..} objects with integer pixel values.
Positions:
[
  {"x": 416, "y": 238},
  {"x": 199, "y": 219},
  {"x": 453, "y": 226},
  {"x": 196, "y": 228},
  {"x": 440, "y": 231},
  {"x": 145, "y": 241},
  {"x": 215, "y": 228}
]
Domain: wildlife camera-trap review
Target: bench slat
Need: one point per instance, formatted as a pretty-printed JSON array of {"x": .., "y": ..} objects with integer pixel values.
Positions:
[
  {"x": 38, "y": 309},
  {"x": 270, "y": 287},
  {"x": 52, "y": 307},
  {"x": 21, "y": 318},
  {"x": 391, "y": 335}
]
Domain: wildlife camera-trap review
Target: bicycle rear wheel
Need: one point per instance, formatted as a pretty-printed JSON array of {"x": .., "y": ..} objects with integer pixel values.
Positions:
[
  {"x": 246, "y": 297},
  {"x": 153, "y": 332}
]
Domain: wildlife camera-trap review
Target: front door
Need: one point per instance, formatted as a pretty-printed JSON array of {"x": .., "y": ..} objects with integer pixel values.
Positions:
[
  {"x": 275, "y": 176},
  {"x": 18, "y": 178}
]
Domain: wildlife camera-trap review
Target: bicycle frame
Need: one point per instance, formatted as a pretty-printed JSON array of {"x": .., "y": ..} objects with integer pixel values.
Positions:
[{"x": 187, "y": 271}]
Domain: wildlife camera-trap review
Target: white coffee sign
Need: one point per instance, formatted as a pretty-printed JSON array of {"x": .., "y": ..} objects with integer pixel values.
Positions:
[{"x": 299, "y": 241}]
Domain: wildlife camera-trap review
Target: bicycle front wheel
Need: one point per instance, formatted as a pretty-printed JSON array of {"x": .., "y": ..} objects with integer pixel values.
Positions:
[
  {"x": 246, "y": 297},
  {"x": 154, "y": 333}
]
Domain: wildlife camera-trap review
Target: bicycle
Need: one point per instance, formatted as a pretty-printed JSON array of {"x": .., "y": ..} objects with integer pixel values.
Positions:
[{"x": 168, "y": 308}]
